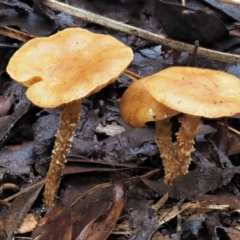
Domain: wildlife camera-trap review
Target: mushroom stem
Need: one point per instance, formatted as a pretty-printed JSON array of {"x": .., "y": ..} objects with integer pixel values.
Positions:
[
  {"x": 185, "y": 142},
  {"x": 68, "y": 123},
  {"x": 167, "y": 148}
]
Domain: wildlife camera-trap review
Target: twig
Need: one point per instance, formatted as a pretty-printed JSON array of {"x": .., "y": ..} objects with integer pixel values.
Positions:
[
  {"x": 184, "y": 2},
  {"x": 234, "y": 33},
  {"x": 132, "y": 75},
  {"x": 159, "y": 39},
  {"x": 13, "y": 33},
  {"x": 231, "y": 129},
  {"x": 41, "y": 182},
  {"x": 234, "y": 2}
]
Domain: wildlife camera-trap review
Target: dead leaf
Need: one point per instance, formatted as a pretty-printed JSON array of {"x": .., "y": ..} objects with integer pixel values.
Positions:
[
  {"x": 230, "y": 9},
  {"x": 32, "y": 22},
  {"x": 144, "y": 223},
  {"x": 73, "y": 168},
  {"x": 17, "y": 159},
  {"x": 232, "y": 233},
  {"x": 177, "y": 21},
  {"x": 19, "y": 208},
  {"x": 9, "y": 122},
  {"x": 227, "y": 199},
  {"x": 219, "y": 157},
  {"x": 192, "y": 227},
  {"x": 6, "y": 104},
  {"x": 101, "y": 227},
  {"x": 158, "y": 236},
  {"x": 88, "y": 194},
  {"x": 194, "y": 183},
  {"x": 221, "y": 137},
  {"x": 57, "y": 224}
]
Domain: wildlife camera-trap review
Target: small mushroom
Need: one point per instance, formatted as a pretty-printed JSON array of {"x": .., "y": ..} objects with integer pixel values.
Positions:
[
  {"x": 137, "y": 107},
  {"x": 192, "y": 91},
  {"x": 60, "y": 70}
]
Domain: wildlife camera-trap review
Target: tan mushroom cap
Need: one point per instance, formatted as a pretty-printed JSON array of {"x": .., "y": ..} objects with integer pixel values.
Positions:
[
  {"x": 69, "y": 65},
  {"x": 137, "y": 106},
  {"x": 200, "y": 92}
]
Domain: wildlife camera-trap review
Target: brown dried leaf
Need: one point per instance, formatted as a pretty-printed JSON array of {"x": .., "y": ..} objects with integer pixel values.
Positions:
[
  {"x": 73, "y": 168},
  {"x": 230, "y": 200},
  {"x": 55, "y": 225},
  {"x": 195, "y": 182},
  {"x": 22, "y": 7},
  {"x": 158, "y": 236},
  {"x": 219, "y": 157},
  {"x": 6, "y": 126},
  {"x": 221, "y": 136},
  {"x": 17, "y": 212},
  {"x": 234, "y": 142},
  {"x": 100, "y": 228},
  {"x": 232, "y": 233},
  {"x": 81, "y": 192},
  {"x": 6, "y": 104}
]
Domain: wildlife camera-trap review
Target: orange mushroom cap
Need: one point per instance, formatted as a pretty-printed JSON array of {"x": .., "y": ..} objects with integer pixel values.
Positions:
[
  {"x": 69, "y": 65},
  {"x": 137, "y": 106},
  {"x": 200, "y": 92}
]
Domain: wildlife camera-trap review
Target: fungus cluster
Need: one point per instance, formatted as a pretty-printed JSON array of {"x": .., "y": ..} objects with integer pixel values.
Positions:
[
  {"x": 192, "y": 91},
  {"x": 59, "y": 71}
]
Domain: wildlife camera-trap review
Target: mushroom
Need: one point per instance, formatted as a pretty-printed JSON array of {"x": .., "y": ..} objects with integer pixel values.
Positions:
[
  {"x": 192, "y": 91},
  {"x": 137, "y": 107},
  {"x": 60, "y": 70}
]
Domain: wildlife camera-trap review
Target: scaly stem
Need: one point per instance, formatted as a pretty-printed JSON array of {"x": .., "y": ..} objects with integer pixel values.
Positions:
[
  {"x": 185, "y": 142},
  {"x": 166, "y": 148},
  {"x": 68, "y": 123}
]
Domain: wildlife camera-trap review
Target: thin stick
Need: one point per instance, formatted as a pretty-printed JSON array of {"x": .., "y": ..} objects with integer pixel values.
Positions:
[
  {"x": 234, "y": 33},
  {"x": 13, "y": 33},
  {"x": 231, "y": 129},
  {"x": 41, "y": 182},
  {"x": 234, "y": 2},
  {"x": 132, "y": 75},
  {"x": 184, "y": 2},
  {"x": 159, "y": 39}
]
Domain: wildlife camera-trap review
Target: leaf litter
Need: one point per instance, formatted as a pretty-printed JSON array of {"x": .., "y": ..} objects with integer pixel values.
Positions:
[{"x": 202, "y": 204}]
